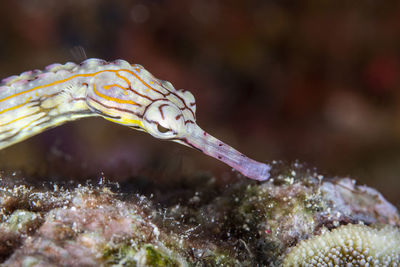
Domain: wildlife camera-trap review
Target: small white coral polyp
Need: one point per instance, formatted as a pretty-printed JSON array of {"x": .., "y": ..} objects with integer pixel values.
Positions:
[{"x": 349, "y": 245}]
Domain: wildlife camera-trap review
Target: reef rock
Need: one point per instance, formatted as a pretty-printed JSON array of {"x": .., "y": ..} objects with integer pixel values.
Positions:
[{"x": 197, "y": 223}]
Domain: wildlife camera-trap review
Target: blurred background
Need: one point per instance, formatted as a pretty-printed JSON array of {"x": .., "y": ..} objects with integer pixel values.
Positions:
[{"x": 314, "y": 81}]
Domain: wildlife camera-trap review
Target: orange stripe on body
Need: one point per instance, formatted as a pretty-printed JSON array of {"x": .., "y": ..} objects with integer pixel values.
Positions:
[
  {"x": 48, "y": 85},
  {"x": 143, "y": 82},
  {"x": 108, "y": 87},
  {"x": 113, "y": 99},
  {"x": 82, "y": 75},
  {"x": 124, "y": 78}
]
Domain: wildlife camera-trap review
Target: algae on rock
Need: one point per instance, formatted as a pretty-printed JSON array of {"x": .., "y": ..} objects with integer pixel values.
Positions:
[{"x": 199, "y": 224}]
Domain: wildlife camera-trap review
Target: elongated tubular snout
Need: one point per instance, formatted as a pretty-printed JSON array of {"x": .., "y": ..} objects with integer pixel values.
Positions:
[{"x": 215, "y": 148}]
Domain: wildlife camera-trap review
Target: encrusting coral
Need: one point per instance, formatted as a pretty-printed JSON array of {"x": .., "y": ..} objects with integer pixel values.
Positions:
[
  {"x": 195, "y": 223},
  {"x": 358, "y": 245}
]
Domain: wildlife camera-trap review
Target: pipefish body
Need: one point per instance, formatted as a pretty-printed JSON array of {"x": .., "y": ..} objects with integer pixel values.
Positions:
[{"x": 117, "y": 91}]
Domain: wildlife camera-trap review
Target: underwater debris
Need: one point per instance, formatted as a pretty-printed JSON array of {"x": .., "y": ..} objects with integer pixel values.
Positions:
[{"x": 358, "y": 245}]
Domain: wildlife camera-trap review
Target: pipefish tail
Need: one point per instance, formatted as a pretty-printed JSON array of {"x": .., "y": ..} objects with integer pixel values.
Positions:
[{"x": 117, "y": 91}]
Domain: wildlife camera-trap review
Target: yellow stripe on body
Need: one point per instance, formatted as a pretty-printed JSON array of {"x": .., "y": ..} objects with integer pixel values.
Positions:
[
  {"x": 16, "y": 107},
  {"x": 128, "y": 122},
  {"x": 19, "y": 118},
  {"x": 44, "y": 115}
]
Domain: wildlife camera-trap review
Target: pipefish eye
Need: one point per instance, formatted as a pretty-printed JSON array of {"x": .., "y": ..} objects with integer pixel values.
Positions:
[
  {"x": 164, "y": 120},
  {"x": 162, "y": 129}
]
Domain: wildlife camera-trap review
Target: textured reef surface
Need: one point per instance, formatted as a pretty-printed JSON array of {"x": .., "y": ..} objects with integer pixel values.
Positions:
[{"x": 297, "y": 217}]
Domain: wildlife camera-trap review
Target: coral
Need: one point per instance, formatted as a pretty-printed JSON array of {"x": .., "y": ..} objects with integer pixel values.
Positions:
[
  {"x": 260, "y": 221},
  {"x": 195, "y": 223},
  {"x": 358, "y": 245}
]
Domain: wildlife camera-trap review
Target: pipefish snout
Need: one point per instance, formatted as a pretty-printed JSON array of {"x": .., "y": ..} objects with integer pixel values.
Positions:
[{"x": 117, "y": 91}]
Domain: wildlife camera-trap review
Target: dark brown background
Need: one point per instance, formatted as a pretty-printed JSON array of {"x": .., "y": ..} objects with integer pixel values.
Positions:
[{"x": 316, "y": 81}]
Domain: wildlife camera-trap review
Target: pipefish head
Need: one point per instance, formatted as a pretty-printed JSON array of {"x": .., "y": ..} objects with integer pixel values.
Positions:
[
  {"x": 132, "y": 96},
  {"x": 165, "y": 119},
  {"x": 136, "y": 99}
]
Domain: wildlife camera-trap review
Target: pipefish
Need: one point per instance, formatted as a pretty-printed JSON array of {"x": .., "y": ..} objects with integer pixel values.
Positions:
[{"x": 120, "y": 92}]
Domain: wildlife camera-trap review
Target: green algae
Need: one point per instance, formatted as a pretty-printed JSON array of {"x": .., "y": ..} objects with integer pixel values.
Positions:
[
  {"x": 155, "y": 257},
  {"x": 126, "y": 254},
  {"x": 21, "y": 220},
  {"x": 120, "y": 255}
]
